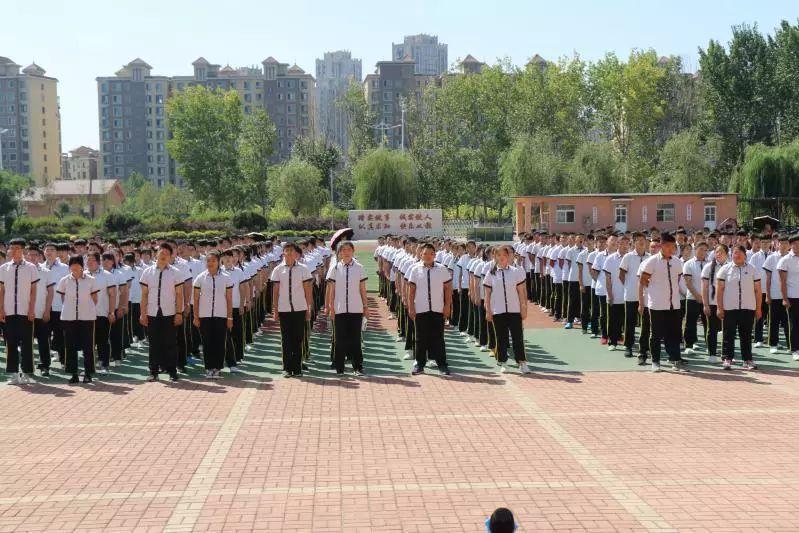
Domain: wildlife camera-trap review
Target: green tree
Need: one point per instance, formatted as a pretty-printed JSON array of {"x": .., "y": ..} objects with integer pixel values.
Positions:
[
  {"x": 786, "y": 72},
  {"x": 325, "y": 157},
  {"x": 360, "y": 120},
  {"x": 768, "y": 172},
  {"x": 532, "y": 166},
  {"x": 13, "y": 187},
  {"x": 595, "y": 168},
  {"x": 206, "y": 127},
  {"x": 295, "y": 187},
  {"x": 689, "y": 163},
  {"x": 175, "y": 202},
  {"x": 255, "y": 147},
  {"x": 384, "y": 179}
]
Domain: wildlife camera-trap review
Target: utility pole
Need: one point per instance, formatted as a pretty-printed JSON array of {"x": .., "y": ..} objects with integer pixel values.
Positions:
[{"x": 402, "y": 129}]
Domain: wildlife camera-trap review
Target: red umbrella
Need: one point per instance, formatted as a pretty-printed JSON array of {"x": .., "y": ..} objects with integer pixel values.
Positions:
[{"x": 342, "y": 234}]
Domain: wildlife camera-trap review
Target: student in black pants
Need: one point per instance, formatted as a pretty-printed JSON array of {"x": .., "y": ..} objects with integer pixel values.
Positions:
[
  {"x": 429, "y": 303},
  {"x": 78, "y": 294},
  {"x": 739, "y": 305},
  {"x": 347, "y": 306},
  {"x": 213, "y": 313},
  {"x": 162, "y": 303},
  {"x": 709, "y": 299},
  {"x": 293, "y": 300},
  {"x": 18, "y": 279}
]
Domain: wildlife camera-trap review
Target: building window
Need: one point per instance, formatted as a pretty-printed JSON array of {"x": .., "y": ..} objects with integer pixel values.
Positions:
[
  {"x": 564, "y": 214},
  {"x": 620, "y": 214},
  {"x": 594, "y": 215},
  {"x": 665, "y": 213},
  {"x": 644, "y": 214},
  {"x": 688, "y": 212},
  {"x": 710, "y": 213}
]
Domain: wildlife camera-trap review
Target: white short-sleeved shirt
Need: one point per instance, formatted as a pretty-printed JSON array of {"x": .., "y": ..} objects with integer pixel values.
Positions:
[
  {"x": 790, "y": 265},
  {"x": 183, "y": 267},
  {"x": 599, "y": 266},
  {"x": 347, "y": 289},
  {"x": 664, "y": 282},
  {"x": 75, "y": 294},
  {"x": 17, "y": 278},
  {"x": 770, "y": 268},
  {"x": 629, "y": 264},
  {"x": 102, "y": 281},
  {"x": 429, "y": 282},
  {"x": 123, "y": 276},
  {"x": 161, "y": 285},
  {"x": 572, "y": 255},
  {"x": 57, "y": 271},
  {"x": 757, "y": 260},
  {"x": 237, "y": 277},
  {"x": 213, "y": 291},
  {"x": 503, "y": 283},
  {"x": 462, "y": 270},
  {"x": 582, "y": 259},
  {"x": 611, "y": 266},
  {"x": 692, "y": 273},
  {"x": 589, "y": 265},
  {"x": 709, "y": 272},
  {"x": 557, "y": 271},
  {"x": 739, "y": 285},
  {"x": 46, "y": 280},
  {"x": 291, "y": 286},
  {"x": 482, "y": 270},
  {"x": 135, "y": 288}
]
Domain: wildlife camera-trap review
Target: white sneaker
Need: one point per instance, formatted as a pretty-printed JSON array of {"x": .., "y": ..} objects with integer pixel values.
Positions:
[
  {"x": 391, "y": 316},
  {"x": 408, "y": 356},
  {"x": 24, "y": 379},
  {"x": 235, "y": 370},
  {"x": 773, "y": 350},
  {"x": 503, "y": 368},
  {"x": 248, "y": 348},
  {"x": 400, "y": 339},
  {"x": 483, "y": 348},
  {"x": 690, "y": 351},
  {"x": 712, "y": 359},
  {"x": 209, "y": 373},
  {"x": 795, "y": 355},
  {"x": 13, "y": 379},
  {"x": 758, "y": 344},
  {"x": 655, "y": 367},
  {"x": 476, "y": 344},
  {"x": 523, "y": 368},
  {"x": 611, "y": 347}
]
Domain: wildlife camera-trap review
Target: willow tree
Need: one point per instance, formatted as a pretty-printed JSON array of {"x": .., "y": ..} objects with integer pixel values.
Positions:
[
  {"x": 768, "y": 172},
  {"x": 384, "y": 179}
]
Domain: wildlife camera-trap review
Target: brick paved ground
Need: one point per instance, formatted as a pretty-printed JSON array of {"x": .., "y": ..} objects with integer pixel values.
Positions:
[{"x": 567, "y": 450}]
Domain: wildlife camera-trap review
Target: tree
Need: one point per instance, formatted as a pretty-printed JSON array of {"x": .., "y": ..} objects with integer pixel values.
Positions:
[
  {"x": 206, "y": 127},
  {"x": 360, "y": 120},
  {"x": 317, "y": 152},
  {"x": 255, "y": 147},
  {"x": 768, "y": 172},
  {"x": 175, "y": 202},
  {"x": 532, "y": 166},
  {"x": 12, "y": 189},
  {"x": 62, "y": 210},
  {"x": 786, "y": 72},
  {"x": 384, "y": 179},
  {"x": 596, "y": 168},
  {"x": 295, "y": 186},
  {"x": 689, "y": 163}
]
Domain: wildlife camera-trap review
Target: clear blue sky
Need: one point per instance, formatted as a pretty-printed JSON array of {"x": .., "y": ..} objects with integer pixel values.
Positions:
[{"x": 76, "y": 41}]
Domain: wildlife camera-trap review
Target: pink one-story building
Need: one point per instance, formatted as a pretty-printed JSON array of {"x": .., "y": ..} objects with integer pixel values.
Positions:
[{"x": 629, "y": 211}]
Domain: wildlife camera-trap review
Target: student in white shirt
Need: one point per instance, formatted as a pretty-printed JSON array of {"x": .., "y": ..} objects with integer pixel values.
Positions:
[
  {"x": 628, "y": 275},
  {"x": 601, "y": 292},
  {"x": 709, "y": 299},
  {"x": 213, "y": 313},
  {"x": 44, "y": 301},
  {"x": 118, "y": 306},
  {"x": 293, "y": 299},
  {"x": 348, "y": 307},
  {"x": 106, "y": 298},
  {"x": 596, "y": 328},
  {"x": 18, "y": 279},
  {"x": 692, "y": 274},
  {"x": 135, "y": 332},
  {"x": 162, "y": 304},
  {"x": 788, "y": 267},
  {"x": 739, "y": 301},
  {"x": 584, "y": 283},
  {"x": 236, "y": 336},
  {"x": 615, "y": 289},
  {"x": 778, "y": 315},
  {"x": 660, "y": 274},
  {"x": 462, "y": 270},
  {"x": 756, "y": 257},
  {"x": 78, "y": 295},
  {"x": 56, "y": 258},
  {"x": 506, "y": 307},
  {"x": 429, "y": 303}
]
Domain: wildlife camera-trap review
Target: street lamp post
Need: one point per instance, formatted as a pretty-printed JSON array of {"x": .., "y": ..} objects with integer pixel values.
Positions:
[{"x": 2, "y": 131}]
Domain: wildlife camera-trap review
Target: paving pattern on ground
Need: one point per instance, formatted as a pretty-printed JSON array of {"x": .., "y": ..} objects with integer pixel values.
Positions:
[{"x": 567, "y": 447}]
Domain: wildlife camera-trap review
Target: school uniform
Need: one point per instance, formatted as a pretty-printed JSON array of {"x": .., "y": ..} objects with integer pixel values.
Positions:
[
  {"x": 78, "y": 315},
  {"x": 740, "y": 303},
  {"x": 610, "y": 268},
  {"x": 585, "y": 295},
  {"x": 57, "y": 270},
  {"x": 789, "y": 264},
  {"x": 572, "y": 284},
  {"x": 692, "y": 274},
  {"x": 629, "y": 265},
  {"x": 463, "y": 273},
  {"x": 556, "y": 305},
  {"x": 17, "y": 280},
  {"x": 213, "y": 314},
  {"x": 41, "y": 329},
  {"x": 103, "y": 281},
  {"x": 757, "y": 260},
  {"x": 664, "y": 305},
  {"x": 162, "y": 284},
  {"x": 183, "y": 332},
  {"x": 236, "y": 337},
  {"x": 601, "y": 292},
  {"x": 409, "y": 328},
  {"x": 135, "y": 329},
  {"x": 777, "y": 314},
  {"x": 348, "y": 308},
  {"x": 646, "y": 322},
  {"x": 291, "y": 308},
  {"x": 116, "y": 336},
  {"x": 506, "y": 311},
  {"x": 713, "y": 323},
  {"x": 430, "y": 283},
  {"x": 588, "y": 267},
  {"x": 452, "y": 266}
]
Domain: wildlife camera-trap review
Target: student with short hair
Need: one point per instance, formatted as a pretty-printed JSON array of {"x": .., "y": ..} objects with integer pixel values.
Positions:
[
  {"x": 777, "y": 313},
  {"x": 348, "y": 307},
  {"x": 293, "y": 300},
  {"x": 692, "y": 274},
  {"x": 78, "y": 294},
  {"x": 429, "y": 303},
  {"x": 628, "y": 275},
  {"x": 710, "y": 299},
  {"x": 788, "y": 267},
  {"x": 18, "y": 279},
  {"x": 738, "y": 287},
  {"x": 213, "y": 313}
]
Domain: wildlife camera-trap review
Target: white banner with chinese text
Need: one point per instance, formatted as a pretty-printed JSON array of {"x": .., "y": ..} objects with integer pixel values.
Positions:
[{"x": 372, "y": 223}]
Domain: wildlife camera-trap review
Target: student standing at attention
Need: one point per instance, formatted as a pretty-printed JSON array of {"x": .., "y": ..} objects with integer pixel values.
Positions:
[
  {"x": 429, "y": 303},
  {"x": 348, "y": 307},
  {"x": 291, "y": 294}
]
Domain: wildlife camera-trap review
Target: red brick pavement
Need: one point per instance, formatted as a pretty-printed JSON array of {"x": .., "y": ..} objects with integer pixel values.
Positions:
[{"x": 597, "y": 452}]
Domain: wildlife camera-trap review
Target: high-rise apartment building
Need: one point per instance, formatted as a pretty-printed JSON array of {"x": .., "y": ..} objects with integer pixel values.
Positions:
[
  {"x": 429, "y": 56},
  {"x": 30, "y": 122},
  {"x": 334, "y": 73},
  {"x": 133, "y": 122},
  {"x": 80, "y": 164}
]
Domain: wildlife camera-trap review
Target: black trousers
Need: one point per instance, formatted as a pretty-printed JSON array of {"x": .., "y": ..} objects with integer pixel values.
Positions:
[
  {"x": 482, "y": 334},
  {"x": 57, "y": 335},
  {"x": 777, "y": 318},
  {"x": 102, "y": 329},
  {"x": 116, "y": 338},
  {"x": 41, "y": 331},
  {"x": 536, "y": 288},
  {"x": 19, "y": 344},
  {"x": 237, "y": 337},
  {"x": 347, "y": 329},
  {"x": 793, "y": 323},
  {"x": 693, "y": 311},
  {"x": 528, "y": 282},
  {"x": 762, "y": 320},
  {"x": 214, "y": 333},
  {"x": 603, "y": 315},
  {"x": 508, "y": 327},
  {"x": 615, "y": 323},
  {"x": 739, "y": 321},
  {"x": 137, "y": 330},
  {"x": 646, "y": 333},
  {"x": 585, "y": 307},
  {"x": 456, "y": 309},
  {"x": 666, "y": 328},
  {"x": 713, "y": 326},
  {"x": 392, "y": 297},
  {"x": 595, "y": 309},
  {"x": 182, "y": 333},
  {"x": 78, "y": 335},
  {"x": 430, "y": 339},
  {"x": 557, "y": 300},
  {"x": 630, "y": 323},
  {"x": 573, "y": 300},
  {"x": 163, "y": 344},
  {"x": 292, "y": 338},
  {"x": 195, "y": 336}
]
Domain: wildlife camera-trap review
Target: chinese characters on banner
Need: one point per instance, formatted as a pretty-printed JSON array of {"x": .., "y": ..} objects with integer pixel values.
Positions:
[{"x": 370, "y": 224}]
